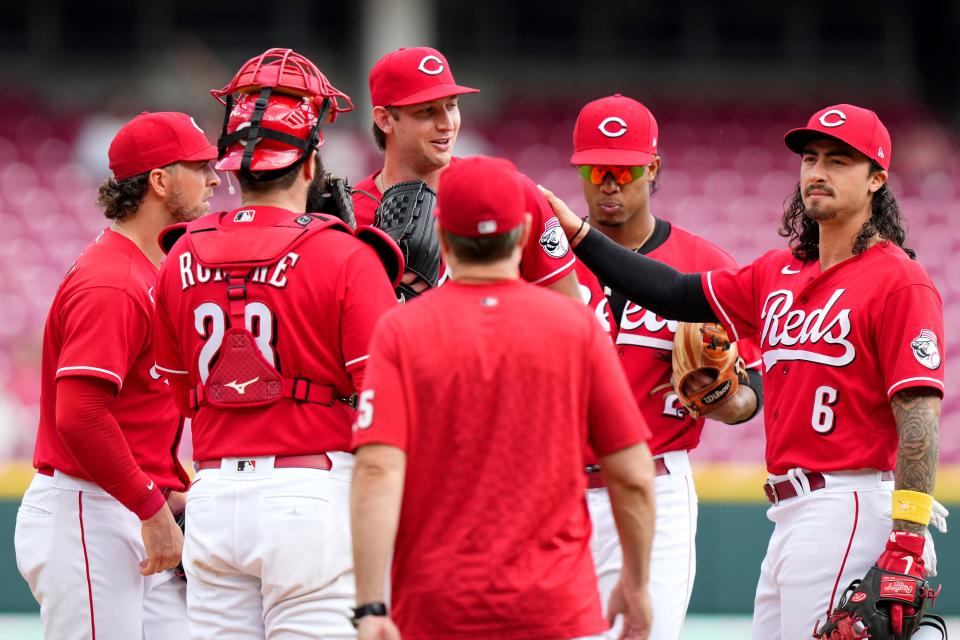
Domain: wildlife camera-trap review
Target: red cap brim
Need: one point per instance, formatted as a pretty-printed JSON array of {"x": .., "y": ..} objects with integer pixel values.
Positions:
[
  {"x": 432, "y": 93},
  {"x": 617, "y": 157},
  {"x": 207, "y": 153}
]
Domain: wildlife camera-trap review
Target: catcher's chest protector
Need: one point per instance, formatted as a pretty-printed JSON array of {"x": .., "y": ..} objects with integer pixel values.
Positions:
[{"x": 242, "y": 376}]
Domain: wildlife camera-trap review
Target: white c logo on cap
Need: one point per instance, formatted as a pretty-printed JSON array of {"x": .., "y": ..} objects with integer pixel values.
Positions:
[
  {"x": 431, "y": 72},
  {"x": 612, "y": 134},
  {"x": 196, "y": 126},
  {"x": 841, "y": 118}
]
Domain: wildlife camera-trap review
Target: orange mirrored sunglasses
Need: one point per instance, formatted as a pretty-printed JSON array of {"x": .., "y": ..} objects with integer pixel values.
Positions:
[{"x": 595, "y": 173}]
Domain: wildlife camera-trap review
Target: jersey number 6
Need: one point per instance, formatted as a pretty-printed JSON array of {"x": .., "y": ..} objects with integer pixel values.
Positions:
[
  {"x": 211, "y": 323},
  {"x": 824, "y": 419}
]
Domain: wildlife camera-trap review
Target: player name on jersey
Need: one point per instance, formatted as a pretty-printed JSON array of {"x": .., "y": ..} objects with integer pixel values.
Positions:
[{"x": 192, "y": 272}]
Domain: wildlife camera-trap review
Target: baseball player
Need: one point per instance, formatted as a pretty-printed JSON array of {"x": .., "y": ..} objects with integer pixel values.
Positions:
[
  {"x": 502, "y": 551},
  {"x": 416, "y": 118},
  {"x": 95, "y": 538},
  {"x": 615, "y": 152},
  {"x": 851, "y": 334},
  {"x": 263, "y": 319}
]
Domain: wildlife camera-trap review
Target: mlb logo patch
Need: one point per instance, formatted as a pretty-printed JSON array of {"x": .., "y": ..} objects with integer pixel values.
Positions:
[
  {"x": 246, "y": 466},
  {"x": 244, "y": 216},
  {"x": 304, "y": 220}
]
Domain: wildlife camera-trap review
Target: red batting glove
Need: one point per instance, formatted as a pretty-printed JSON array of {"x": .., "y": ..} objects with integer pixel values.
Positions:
[{"x": 903, "y": 554}]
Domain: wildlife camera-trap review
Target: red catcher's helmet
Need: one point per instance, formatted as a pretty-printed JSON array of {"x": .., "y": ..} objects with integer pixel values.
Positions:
[{"x": 274, "y": 106}]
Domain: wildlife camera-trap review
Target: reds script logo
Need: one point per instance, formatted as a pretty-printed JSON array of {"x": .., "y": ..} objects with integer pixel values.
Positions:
[
  {"x": 435, "y": 69},
  {"x": 638, "y": 326},
  {"x": 785, "y": 328}
]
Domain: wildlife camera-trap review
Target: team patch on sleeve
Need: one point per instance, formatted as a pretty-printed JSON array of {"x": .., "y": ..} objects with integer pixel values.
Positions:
[
  {"x": 925, "y": 349},
  {"x": 553, "y": 240}
]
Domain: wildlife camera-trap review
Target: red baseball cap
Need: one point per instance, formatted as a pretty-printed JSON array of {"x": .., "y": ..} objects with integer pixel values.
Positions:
[
  {"x": 480, "y": 196},
  {"x": 153, "y": 140},
  {"x": 858, "y": 127},
  {"x": 614, "y": 130},
  {"x": 412, "y": 76}
]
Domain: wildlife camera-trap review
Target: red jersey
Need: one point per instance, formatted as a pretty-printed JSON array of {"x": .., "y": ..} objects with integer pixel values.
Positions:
[
  {"x": 311, "y": 314},
  {"x": 471, "y": 382},
  {"x": 547, "y": 256},
  {"x": 644, "y": 340},
  {"x": 99, "y": 326},
  {"x": 836, "y": 345}
]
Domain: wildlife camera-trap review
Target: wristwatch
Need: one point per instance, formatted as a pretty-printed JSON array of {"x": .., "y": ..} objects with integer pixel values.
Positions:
[{"x": 369, "y": 609}]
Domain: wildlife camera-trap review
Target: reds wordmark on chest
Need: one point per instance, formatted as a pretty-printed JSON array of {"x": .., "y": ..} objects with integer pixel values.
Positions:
[{"x": 193, "y": 273}]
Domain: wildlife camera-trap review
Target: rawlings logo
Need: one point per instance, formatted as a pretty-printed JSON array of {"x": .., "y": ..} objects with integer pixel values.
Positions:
[
  {"x": 898, "y": 588},
  {"x": 790, "y": 327},
  {"x": 859, "y": 596}
]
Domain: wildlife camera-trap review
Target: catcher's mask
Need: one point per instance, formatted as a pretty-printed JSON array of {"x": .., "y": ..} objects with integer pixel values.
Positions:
[{"x": 274, "y": 106}]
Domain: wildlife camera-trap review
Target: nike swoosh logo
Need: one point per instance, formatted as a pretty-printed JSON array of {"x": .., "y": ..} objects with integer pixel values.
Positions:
[
  {"x": 241, "y": 387},
  {"x": 150, "y": 486},
  {"x": 787, "y": 271}
]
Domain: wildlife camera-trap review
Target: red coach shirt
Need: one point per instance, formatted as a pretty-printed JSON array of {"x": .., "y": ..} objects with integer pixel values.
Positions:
[
  {"x": 644, "y": 340},
  {"x": 836, "y": 346},
  {"x": 99, "y": 326},
  {"x": 490, "y": 390},
  {"x": 312, "y": 312},
  {"x": 547, "y": 256}
]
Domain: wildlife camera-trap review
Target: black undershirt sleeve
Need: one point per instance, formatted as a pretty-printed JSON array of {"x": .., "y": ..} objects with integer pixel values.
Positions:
[{"x": 651, "y": 284}]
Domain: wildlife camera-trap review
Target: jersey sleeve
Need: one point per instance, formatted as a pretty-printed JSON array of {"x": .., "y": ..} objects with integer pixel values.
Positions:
[
  {"x": 382, "y": 411},
  {"x": 730, "y": 292},
  {"x": 367, "y": 295},
  {"x": 614, "y": 420},
  {"x": 910, "y": 339},
  {"x": 547, "y": 256},
  {"x": 101, "y": 344}
]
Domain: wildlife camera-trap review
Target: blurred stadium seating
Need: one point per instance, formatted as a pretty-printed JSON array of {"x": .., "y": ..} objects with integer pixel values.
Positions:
[{"x": 726, "y": 174}]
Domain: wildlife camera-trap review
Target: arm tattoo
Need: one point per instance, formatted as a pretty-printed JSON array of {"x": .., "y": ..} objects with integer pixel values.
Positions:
[{"x": 917, "y": 412}]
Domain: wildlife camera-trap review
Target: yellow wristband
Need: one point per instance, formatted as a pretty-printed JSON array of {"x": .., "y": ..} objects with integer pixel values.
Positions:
[{"x": 912, "y": 506}]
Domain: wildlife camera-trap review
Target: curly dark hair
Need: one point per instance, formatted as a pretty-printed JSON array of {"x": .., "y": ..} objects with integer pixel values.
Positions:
[
  {"x": 121, "y": 198},
  {"x": 804, "y": 234}
]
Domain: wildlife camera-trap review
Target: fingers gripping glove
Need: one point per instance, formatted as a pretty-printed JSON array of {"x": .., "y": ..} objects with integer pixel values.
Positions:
[
  {"x": 406, "y": 215},
  {"x": 890, "y": 601},
  {"x": 337, "y": 200},
  {"x": 705, "y": 347}
]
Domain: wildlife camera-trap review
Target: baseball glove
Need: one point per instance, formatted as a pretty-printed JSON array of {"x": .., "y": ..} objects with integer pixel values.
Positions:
[
  {"x": 705, "y": 347},
  {"x": 866, "y": 609},
  {"x": 406, "y": 215},
  {"x": 335, "y": 200}
]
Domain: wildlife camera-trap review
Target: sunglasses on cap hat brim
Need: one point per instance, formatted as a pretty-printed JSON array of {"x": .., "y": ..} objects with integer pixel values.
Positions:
[{"x": 597, "y": 173}]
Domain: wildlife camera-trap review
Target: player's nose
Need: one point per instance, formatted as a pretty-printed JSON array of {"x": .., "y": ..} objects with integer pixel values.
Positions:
[{"x": 213, "y": 180}]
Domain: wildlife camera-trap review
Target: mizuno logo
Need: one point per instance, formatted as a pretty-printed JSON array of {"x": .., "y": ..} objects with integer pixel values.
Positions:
[
  {"x": 787, "y": 271},
  {"x": 241, "y": 387}
]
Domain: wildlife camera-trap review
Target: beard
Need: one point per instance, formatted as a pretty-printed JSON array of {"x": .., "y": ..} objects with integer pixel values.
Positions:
[
  {"x": 819, "y": 213},
  {"x": 316, "y": 193},
  {"x": 182, "y": 211}
]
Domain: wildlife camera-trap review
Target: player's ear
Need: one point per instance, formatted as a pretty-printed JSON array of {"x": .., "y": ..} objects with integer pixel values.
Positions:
[
  {"x": 527, "y": 226},
  {"x": 158, "y": 180},
  {"x": 381, "y": 117},
  {"x": 877, "y": 179},
  {"x": 309, "y": 166},
  {"x": 652, "y": 169}
]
